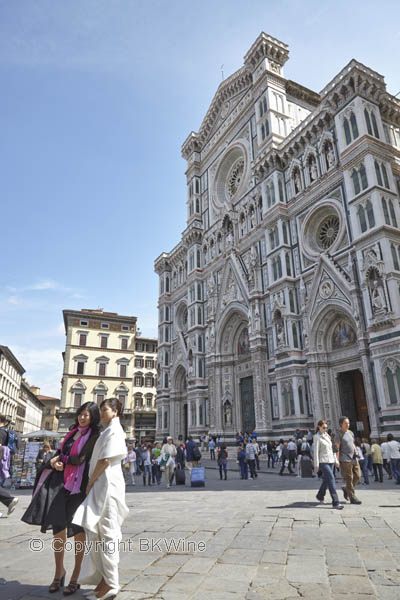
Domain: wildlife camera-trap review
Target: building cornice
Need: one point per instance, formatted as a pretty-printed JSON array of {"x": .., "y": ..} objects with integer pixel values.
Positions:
[{"x": 12, "y": 359}]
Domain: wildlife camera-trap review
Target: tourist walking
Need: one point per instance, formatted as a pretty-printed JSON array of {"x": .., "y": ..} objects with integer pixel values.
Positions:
[
  {"x": 131, "y": 461},
  {"x": 242, "y": 460},
  {"x": 257, "y": 452},
  {"x": 385, "y": 458},
  {"x": 104, "y": 509},
  {"x": 211, "y": 447},
  {"x": 324, "y": 460},
  {"x": 394, "y": 457},
  {"x": 292, "y": 447},
  {"x": 285, "y": 459},
  {"x": 147, "y": 464},
  {"x": 348, "y": 461},
  {"x": 155, "y": 464},
  {"x": 5, "y": 497},
  {"x": 168, "y": 453},
  {"x": 377, "y": 460},
  {"x": 193, "y": 454},
  {"x": 270, "y": 454},
  {"x": 251, "y": 459},
  {"x": 222, "y": 461},
  {"x": 362, "y": 460},
  {"x": 60, "y": 488}
]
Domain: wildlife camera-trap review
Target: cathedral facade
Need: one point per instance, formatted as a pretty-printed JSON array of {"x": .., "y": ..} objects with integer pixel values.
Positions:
[{"x": 280, "y": 305}]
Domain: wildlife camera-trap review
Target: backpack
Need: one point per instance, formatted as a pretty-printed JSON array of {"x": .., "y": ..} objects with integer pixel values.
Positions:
[{"x": 196, "y": 453}]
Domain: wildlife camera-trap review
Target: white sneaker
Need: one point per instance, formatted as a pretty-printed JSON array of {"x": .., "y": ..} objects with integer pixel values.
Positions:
[
  {"x": 3, "y": 516},
  {"x": 12, "y": 505}
]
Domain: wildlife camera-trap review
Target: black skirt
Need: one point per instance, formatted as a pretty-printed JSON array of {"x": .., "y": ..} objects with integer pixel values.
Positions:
[{"x": 53, "y": 507}]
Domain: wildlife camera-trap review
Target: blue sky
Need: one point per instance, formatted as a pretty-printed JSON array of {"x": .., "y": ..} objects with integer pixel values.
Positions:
[{"x": 97, "y": 98}]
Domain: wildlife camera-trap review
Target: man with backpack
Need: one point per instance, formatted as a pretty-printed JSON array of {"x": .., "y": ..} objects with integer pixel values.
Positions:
[
  {"x": 193, "y": 454},
  {"x": 5, "y": 496}
]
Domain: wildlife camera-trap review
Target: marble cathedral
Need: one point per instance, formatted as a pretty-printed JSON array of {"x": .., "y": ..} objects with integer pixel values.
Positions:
[{"x": 280, "y": 304}]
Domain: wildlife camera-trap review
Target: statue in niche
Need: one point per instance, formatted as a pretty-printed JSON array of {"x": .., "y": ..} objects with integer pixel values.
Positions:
[
  {"x": 376, "y": 290},
  {"x": 329, "y": 155},
  {"x": 378, "y": 297},
  {"x": 211, "y": 339},
  {"x": 229, "y": 237},
  {"x": 313, "y": 169},
  {"x": 297, "y": 181},
  {"x": 227, "y": 413}
]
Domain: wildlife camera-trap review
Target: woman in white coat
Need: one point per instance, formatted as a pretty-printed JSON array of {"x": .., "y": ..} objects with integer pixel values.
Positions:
[{"x": 104, "y": 509}]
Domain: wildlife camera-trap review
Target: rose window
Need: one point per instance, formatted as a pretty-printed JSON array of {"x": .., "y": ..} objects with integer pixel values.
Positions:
[
  {"x": 235, "y": 177},
  {"x": 328, "y": 231}
]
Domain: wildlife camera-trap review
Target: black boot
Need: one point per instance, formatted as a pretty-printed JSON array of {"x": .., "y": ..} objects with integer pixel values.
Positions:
[
  {"x": 149, "y": 479},
  {"x": 144, "y": 479},
  {"x": 226, "y": 473}
]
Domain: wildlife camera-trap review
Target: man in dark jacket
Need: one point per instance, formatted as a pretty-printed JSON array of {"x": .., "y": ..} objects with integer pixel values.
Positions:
[
  {"x": 192, "y": 452},
  {"x": 285, "y": 459},
  {"x": 5, "y": 496}
]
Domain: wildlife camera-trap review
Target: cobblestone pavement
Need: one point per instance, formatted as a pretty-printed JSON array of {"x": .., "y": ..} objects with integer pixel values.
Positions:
[{"x": 233, "y": 540}]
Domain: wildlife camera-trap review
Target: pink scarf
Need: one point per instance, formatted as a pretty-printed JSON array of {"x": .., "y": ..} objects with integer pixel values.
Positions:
[{"x": 73, "y": 473}]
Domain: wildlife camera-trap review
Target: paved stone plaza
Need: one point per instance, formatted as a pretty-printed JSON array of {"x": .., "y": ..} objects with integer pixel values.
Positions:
[{"x": 252, "y": 540}]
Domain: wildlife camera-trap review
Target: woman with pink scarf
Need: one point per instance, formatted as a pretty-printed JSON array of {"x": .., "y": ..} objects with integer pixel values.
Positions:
[{"x": 60, "y": 488}]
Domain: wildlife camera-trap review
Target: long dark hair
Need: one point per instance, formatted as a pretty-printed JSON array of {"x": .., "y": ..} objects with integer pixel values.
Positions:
[
  {"x": 94, "y": 412},
  {"x": 114, "y": 404}
]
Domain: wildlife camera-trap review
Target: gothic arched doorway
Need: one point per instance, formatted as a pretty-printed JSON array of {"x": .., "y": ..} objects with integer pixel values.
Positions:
[
  {"x": 338, "y": 371},
  {"x": 179, "y": 416}
]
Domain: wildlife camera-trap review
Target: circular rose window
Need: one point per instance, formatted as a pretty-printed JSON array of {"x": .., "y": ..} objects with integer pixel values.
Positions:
[
  {"x": 235, "y": 177},
  {"x": 322, "y": 229},
  {"x": 328, "y": 231}
]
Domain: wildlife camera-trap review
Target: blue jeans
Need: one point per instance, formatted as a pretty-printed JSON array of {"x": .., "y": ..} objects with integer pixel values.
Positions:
[
  {"x": 395, "y": 468},
  {"x": 364, "y": 469},
  {"x": 244, "y": 473},
  {"x": 328, "y": 482}
]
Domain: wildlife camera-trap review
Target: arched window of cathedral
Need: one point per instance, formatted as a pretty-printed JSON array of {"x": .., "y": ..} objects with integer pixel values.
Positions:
[
  {"x": 362, "y": 219},
  {"x": 295, "y": 335},
  {"x": 385, "y": 176},
  {"x": 165, "y": 380},
  {"x": 262, "y": 132},
  {"x": 385, "y": 212},
  {"x": 363, "y": 177},
  {"x": 265, "y": 104},
  {"x": 167, "y": 313},
  {"x": 296, "y": 181},
  {"x": 356, "y": 182},
  {"x": 285, "y": 235},
  {"x": 190, "y": 358},
  {"x": 301, "y": 401},
  {"x": 279, "y": 266},
  {"x": 392, "y": 374},
  {"x": 266, "y": 124},
  {"x": 205, "y": 254},
  {"x": 201, "y": 369},
  {"x": 291, "y": 301},
  {"x": 200, "y": 343},
  {"x": 198, "y": 259},
  {"x": 392, "y": 214},
  {"x": 374, "y": 124},
  {"x": 347, "y": 133},
  {"x": 166, "y": 337},
  {"x": 288, "y": 267},
  {"x": 370, "y": 214},
  {"x": 197, "y": 205},
  {"x": 180, "y": 275},
  {"x": 378, "y": 174},
  {"x": 368, "y": 121},
  {"x": 353, "y": 123},
  {"x": 219, "y": 243},
  {"x": 161, "y": 285},
  {"x": 166, "y": 358},
  {"x": 260, "y": 108},
  {"x": 394, "y": 257},
  {"x": 167, "y": 284},
  {"x": 280, "y": 189},
  {"x": 199, "y": 316}
]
